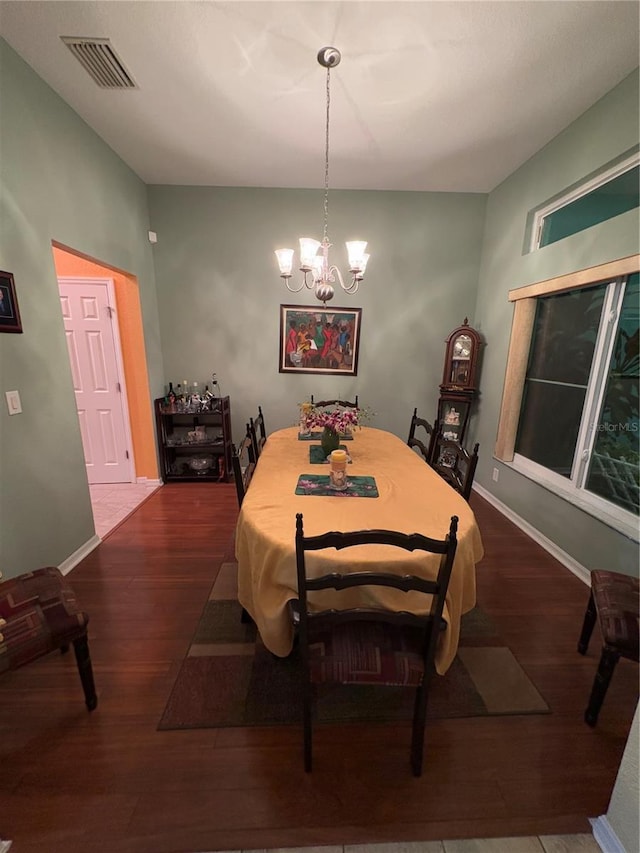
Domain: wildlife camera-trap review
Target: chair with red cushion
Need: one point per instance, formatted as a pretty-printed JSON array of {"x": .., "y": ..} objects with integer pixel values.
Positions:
[
  {"x": 39, "y": 614},
  {"x": 371, "y": 644},
  {"x": 613, "y": 602}
]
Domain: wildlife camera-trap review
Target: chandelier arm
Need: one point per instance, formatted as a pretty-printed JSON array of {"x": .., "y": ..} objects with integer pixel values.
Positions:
[
  {"x": 353, "y": 287},
  {"x": 293, "y": 289},
  {"x": 335, "y": 274}
]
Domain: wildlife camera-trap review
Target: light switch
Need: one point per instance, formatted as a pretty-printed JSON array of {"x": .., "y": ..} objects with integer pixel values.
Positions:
[{"x": 13, "y": 402}]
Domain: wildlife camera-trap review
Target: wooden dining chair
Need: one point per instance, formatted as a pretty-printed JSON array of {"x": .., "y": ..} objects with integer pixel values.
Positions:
[
  {"x": 455, "y": 464},
  {"x": 424, "y": 446},
  {"x": 371, "y": 645},
  {"x": 346, "y": 404},
  {"x": 614, "y": 604},
  {"x": 244, "y": 462},
  {"x": 258, "y": 433}
]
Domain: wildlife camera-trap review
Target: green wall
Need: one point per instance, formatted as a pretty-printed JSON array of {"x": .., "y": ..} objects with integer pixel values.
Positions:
[
  {"x": 58, "y": 181},
  {"x": 435, "y": 258},
  {"x": 600, "y": 135},
  {"x": 219, "y": 292}
]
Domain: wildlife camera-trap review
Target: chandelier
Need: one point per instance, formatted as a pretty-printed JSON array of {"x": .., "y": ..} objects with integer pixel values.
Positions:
[{"x": 317, "y": 272}]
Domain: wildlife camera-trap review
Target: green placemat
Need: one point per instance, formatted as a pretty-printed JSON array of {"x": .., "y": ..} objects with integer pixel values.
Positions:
[
  {"x": 317, "y": 457},
  {"x": 316, "y": 436},
  {"x": 318, "y": 484}
]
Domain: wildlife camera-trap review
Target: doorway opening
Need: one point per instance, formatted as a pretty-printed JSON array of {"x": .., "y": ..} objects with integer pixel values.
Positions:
[{"x": 112, "y": 503}]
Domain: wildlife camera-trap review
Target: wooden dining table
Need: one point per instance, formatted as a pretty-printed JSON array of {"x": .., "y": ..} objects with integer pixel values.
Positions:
[{"x": 411, "y": 498}]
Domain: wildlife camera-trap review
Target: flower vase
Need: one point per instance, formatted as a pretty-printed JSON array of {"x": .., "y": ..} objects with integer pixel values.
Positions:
[
  {"x": 303, "y": 426},
  {"x": 330, "y": 440}
]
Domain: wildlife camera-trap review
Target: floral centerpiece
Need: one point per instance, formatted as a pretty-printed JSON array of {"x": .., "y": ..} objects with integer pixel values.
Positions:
[{"x": 334, "y": 422}]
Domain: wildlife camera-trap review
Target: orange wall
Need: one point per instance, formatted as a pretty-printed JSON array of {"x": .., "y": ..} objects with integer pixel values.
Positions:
[{"x": 133, "y": 353}]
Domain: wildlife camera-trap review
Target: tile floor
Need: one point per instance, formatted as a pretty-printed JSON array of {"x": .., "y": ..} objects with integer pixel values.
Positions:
[
  {"x": 542, "y": 844},
  {"x": 113, "y": 502}
]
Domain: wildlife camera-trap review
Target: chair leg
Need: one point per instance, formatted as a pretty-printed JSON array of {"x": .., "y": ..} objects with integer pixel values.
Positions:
[
  {"x": 83, "y": 659},
  {"x": 587, "y": 625},
  {"x": 306, "y": 724},
  {"x": 608, "y": 661},
  {"x": 417, "y": 734}
]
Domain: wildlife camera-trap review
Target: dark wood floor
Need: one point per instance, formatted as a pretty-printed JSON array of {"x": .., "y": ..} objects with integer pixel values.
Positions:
[{"x": 108, "y": 781}]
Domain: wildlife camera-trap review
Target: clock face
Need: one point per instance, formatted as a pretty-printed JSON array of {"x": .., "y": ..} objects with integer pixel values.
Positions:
[{"x": 462, "y": 347}]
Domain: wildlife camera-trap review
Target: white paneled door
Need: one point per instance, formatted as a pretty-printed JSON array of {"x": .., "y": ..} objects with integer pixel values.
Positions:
[{"x": 93, "y": 344}]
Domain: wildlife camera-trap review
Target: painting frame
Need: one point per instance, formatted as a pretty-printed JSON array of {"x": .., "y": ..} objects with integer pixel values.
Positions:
[
  {"x": 332, "y": 348},
  {"x": 9, "y": 311}
]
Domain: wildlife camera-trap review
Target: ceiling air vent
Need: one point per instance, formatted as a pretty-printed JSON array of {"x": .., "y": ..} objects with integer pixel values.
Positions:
[{"x": 100, "y": 61}]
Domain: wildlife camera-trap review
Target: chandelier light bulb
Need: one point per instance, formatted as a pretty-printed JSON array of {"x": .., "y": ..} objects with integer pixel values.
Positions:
[
  {"x": 285, "y": 261},
  {"x": 356, "y": 252},
  {"x": 308, "y": 251},
  {"x": 318, "y": 273}
]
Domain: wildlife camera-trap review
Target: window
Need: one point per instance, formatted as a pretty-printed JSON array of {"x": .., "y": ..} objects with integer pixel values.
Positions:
[
  {"x": 570, "y": 412},
  {"x": 614, "y": 463},
  {"x": 609, "y": 194},
  {"x": 557, "y": 379}
]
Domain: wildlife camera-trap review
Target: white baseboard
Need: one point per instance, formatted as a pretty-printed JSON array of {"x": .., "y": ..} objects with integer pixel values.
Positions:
[
  {"x": 561, "y": 556},
  {"x": 144, "y": 481},
  {"x": 73, "y": 560},
  {"x": 603, "y": 833}
]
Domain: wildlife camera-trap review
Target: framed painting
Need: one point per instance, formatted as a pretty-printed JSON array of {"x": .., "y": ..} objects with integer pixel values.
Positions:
[
  {"x": 9, "y": 313},
  {"x": 319, "y": 340}
]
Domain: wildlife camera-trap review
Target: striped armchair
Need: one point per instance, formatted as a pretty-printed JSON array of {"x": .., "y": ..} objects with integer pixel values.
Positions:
[{"x": 39, "y": 613}]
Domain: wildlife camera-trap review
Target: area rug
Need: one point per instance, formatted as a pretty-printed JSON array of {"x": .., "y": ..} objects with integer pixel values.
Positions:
[{"x": 229, "y": 678}]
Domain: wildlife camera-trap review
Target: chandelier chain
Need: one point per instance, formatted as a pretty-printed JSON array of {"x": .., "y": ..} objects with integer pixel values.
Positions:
[{"x": 326, "y": 161}]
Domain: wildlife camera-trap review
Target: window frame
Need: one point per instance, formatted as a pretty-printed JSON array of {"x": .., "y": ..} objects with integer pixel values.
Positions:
[
  {"x": 582, "y": 189},
  {"x": 524, "y": 299}
]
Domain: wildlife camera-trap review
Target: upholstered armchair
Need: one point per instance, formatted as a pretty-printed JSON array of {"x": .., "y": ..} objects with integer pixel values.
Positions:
[{"x": 39, "y": 614}]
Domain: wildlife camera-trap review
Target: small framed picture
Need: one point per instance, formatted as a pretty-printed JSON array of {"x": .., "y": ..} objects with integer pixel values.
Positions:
[
  {"x": 9, "y": 313},
  {"x": 319, "y": 340}
]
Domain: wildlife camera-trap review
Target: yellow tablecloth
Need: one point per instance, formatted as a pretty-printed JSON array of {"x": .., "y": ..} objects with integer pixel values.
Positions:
[{"x": 413, "y": 499}]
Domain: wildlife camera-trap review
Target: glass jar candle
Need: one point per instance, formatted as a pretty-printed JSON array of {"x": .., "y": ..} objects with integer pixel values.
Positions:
[{"x": 338, "y": 469}]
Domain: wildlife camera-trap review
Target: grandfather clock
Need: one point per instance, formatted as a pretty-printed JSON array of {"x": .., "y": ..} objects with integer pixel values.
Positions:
[{"x": 459, "y": 386}]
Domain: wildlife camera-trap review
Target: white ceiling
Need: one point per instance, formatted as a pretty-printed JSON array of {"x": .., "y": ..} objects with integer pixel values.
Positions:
[{"x": 432, "y": 95}]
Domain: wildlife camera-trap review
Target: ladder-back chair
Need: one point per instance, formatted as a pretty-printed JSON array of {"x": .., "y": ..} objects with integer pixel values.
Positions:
[
  {"x": 244, "y": 462},
  {"x": 455, "y": 464},
  {"x": 424, "y": 445},
  {"x": 346, "y": 404},
  {"x": 371, "y": 644},
  {"x": 258, "y": 433}
]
